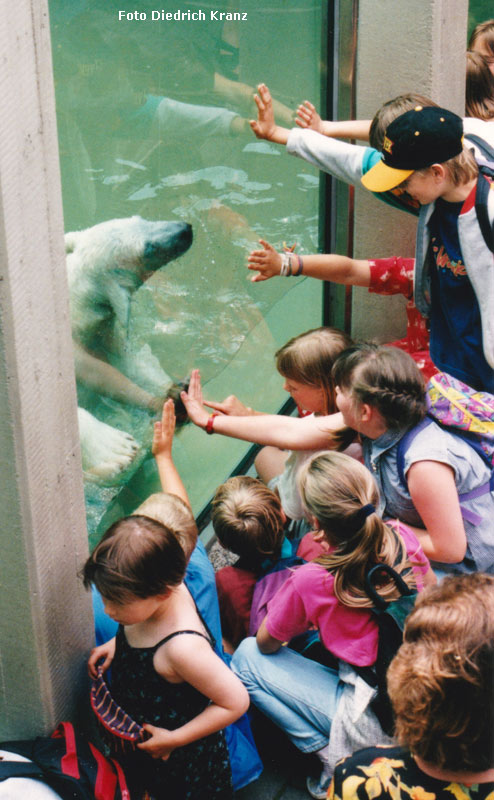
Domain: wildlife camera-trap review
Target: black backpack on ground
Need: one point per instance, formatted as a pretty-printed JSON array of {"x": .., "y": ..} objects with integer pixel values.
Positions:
[
  {"x": 69, "y": 763},
  {"x": 390, "y": 618}
]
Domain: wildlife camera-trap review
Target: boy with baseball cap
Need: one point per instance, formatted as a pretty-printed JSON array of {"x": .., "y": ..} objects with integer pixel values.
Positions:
[{"x": 423, "y": 154}]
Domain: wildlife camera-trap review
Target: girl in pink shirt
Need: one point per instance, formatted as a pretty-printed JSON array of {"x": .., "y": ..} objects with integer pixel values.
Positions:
[{"x": 311, "y": 702}]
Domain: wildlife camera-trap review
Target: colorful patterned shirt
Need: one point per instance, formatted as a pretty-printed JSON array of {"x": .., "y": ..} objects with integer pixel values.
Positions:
[{"x": 390, "y": 773}]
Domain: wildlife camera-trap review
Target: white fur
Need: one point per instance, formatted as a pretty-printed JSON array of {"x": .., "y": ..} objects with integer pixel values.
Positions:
[{"x": 105, "y": 265}]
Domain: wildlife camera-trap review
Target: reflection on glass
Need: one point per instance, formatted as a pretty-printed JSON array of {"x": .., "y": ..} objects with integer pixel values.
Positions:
[{"x": 153, "y": 128}]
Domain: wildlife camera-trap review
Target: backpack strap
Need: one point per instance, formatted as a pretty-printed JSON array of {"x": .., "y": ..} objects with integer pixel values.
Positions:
[
  {"x": 481, "y": 200},
  {"x": 403, "y": 446},
  {"x": 483, "y": 186},
  {"x": 20, "y": 769},
  {"x": 484, "y": 147},
  {"x": 406, "y": 441}
]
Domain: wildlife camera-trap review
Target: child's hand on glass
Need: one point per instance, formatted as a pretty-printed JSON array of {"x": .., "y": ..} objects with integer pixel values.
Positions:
[
  {"x": 307, "y": 117},
  {"x": 164, "y": 430},
  {"x": 264, "y": 126},
  {"x": 193, "y": 401},
  {"x": 266, "y": 262}
]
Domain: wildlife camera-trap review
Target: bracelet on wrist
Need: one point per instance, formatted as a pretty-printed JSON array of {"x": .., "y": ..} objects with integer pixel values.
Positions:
[{"x": 210, "y": 423}]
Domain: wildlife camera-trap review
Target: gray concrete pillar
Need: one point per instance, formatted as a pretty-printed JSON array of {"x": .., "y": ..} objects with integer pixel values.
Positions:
[
  {"x": 46, "y": 623},
  {"x": 403, "y": 46}
]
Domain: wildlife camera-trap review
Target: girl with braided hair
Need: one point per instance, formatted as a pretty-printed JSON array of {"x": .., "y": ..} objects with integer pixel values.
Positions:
[
  {"x": 327, "y": 710},
  {"x": 437, "y": 484}
]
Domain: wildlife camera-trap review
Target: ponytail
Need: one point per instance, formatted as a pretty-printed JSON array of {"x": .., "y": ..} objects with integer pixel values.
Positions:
[{"x": 342, "y": 495}]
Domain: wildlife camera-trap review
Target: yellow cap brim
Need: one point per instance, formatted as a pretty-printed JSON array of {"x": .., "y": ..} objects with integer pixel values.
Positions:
[{"x": 382, "y": 178}]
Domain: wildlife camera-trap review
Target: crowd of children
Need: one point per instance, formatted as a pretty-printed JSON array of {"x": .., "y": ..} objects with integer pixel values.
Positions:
[{"x": 362, "y": 477}]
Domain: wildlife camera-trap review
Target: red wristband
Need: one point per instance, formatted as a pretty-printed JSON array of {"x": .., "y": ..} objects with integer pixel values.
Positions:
[{"x": 210, "y": 423}]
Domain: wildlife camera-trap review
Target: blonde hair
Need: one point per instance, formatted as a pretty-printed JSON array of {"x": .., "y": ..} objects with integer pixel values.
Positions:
[
  {"x": 248, "y": 518},
  {"x": 391, "y": 110},
  {"x": 309, "y": 357},
  {"x": 174, "y": 514},
  {"x": 441, "y": 682},
  {"x": 479, "y": 95},
  {"x": 342, "y": 495}
]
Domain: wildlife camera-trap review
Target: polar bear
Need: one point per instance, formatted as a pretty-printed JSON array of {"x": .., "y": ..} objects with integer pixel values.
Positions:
[{"x": 105, "y": 265}]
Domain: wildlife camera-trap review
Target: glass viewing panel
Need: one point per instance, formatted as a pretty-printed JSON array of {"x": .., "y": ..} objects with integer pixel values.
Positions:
[{"x": 153, "y": 125}]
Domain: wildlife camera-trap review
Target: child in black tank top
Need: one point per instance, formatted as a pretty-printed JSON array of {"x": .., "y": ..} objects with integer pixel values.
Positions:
[{"x": 165, "y": 673}]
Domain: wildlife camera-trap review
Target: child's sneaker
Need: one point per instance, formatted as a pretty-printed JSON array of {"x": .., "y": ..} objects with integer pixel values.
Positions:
[{"x": 318, "y": 787}]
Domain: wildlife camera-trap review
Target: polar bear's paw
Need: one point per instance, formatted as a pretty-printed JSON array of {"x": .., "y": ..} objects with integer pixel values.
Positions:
[
  {"x": 106, "y": 452},
  {"x": 174, "y": 392}
]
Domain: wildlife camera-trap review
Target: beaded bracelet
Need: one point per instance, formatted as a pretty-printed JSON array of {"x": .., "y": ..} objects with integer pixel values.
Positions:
[{"x": 286, "y": 265}]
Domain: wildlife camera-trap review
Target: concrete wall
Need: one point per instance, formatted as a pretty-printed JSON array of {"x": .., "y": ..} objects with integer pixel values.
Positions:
[
  {"x": 403, "y": 46},
  {"x": 46, "y": 623}
]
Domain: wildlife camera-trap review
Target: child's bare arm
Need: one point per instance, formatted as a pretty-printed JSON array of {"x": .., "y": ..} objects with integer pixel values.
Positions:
[
  {"x": 232, "y": 406},
  {"x": 104, "y": 651},
  {"x": 307, "y": 117},
  {"x": 433, "y": 491},
  {"x": 331, "y": 267},
  {"x": 291, "y": 433},
  {"x": 171, "y": 481},
  {"x": 266, "y": 643},
  {"x": 265, "y": 126},
  {"x": 195, "y": 662}
]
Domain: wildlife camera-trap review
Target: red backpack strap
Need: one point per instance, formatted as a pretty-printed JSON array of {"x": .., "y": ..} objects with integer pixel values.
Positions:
[
  {"x": 122, "y": 783},
  {"x": 69, "y": 763},
  {"x": 106, "y": 780}
]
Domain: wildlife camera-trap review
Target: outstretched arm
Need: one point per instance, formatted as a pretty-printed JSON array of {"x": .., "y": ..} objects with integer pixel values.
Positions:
[
  {"x": 265, "y": 126},
  {"x": 171, "y": 482},
  {"x": 339, "y": 269},
  {"x": 232, "y": 406},
  {"x": 307, "y": 117},
  {"x": 309, "y": 433}
]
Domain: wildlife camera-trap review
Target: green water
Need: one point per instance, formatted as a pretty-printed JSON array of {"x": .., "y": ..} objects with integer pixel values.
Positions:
[{"x": 152, "y": 119}]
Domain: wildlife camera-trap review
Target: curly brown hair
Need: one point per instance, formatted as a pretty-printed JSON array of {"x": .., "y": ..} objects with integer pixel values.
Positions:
[{"x": 441, "y": 682}]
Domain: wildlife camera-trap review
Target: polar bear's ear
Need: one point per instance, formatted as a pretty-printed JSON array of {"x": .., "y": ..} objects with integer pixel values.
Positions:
[{"x": 71, "y": 241}]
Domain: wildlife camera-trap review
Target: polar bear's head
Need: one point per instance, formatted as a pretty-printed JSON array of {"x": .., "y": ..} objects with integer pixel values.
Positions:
[
  {"x": 108, "y": 262},
  {"x": 133, "y": 244}
]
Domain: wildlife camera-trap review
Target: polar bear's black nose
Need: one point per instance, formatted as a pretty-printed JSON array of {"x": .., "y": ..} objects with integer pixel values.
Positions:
[{"x": 168, "y": 240}]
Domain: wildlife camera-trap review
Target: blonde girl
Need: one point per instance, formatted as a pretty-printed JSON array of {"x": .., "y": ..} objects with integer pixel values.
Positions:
[
  {"x": 165, "y": 673},
  {"x": 310, "y": 702},
  {"x": 381, "y": 394},
  {"x": 305, "y": 363}
]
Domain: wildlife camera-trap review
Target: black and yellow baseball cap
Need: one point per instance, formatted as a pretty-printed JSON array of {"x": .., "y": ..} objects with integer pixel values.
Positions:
[{"x": 415, "y": 140}]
